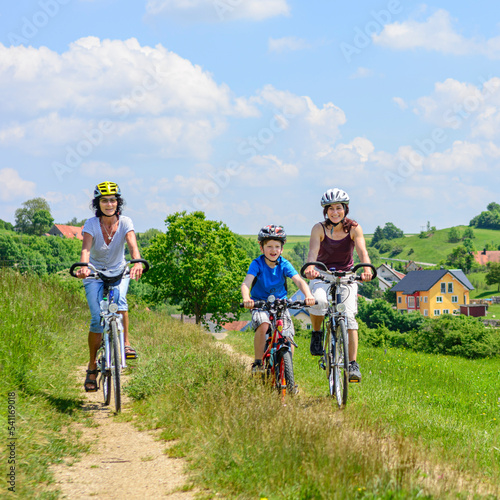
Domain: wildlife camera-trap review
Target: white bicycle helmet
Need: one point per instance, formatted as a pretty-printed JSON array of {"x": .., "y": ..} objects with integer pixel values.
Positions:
[{"x": 334, "y": 196}]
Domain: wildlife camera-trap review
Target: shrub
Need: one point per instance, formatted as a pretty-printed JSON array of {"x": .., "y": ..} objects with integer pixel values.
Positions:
[{"x": 456, "y": 335}]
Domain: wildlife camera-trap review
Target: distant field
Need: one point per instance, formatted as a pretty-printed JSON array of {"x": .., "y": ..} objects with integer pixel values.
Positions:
[
  {"x": 290, "y": 239},
  {"x": 436, "y": 247}
]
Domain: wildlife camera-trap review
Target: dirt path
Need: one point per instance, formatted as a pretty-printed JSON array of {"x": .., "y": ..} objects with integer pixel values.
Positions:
[{"x": 124, "y": 463}]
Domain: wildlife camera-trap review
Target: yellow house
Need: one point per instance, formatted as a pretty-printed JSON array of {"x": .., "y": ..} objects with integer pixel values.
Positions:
[{"x": 433, "y": 292}]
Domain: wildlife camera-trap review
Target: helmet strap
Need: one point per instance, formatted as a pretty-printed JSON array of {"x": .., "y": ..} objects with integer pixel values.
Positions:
[
  {"x": 272, "y": 261},
  {"x": 104, "y": 215}
]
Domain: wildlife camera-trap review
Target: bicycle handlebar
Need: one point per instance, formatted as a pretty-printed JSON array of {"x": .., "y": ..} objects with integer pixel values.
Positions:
[
  {"x": 96, "y": 272},
  {"x": 286, "y": 303},
  {"x": 324, "y": 272}
]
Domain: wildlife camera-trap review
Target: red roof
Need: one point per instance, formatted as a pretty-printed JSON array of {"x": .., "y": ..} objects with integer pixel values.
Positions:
[
  {"x": 235, "y": 325},
  {"x": 487, "y": 256},
  {"x": 70, "y": 231}
]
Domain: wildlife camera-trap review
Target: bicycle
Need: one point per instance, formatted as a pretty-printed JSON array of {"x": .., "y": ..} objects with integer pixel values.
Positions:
[
  {"x": 335, "y": 358},
  {"x": 277, "y": 359},
  {"x": 111, "y": 353}
]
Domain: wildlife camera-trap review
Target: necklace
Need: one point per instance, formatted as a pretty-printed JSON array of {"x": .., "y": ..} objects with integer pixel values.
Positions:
[{"x": 109, "y": 234}]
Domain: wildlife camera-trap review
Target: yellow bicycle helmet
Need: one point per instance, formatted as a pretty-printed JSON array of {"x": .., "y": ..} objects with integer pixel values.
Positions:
[{"x": 106, "y": 188}]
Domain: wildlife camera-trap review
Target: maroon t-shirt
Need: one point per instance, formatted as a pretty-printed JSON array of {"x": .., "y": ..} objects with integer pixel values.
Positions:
[{"x": 336, "y": 253}]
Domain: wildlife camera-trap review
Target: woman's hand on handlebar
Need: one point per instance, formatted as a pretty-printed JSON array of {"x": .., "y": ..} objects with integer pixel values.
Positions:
[
  {"x": 310, "y": 301},
  {"x": 366, "y": 276},
  {"x": 311, "y": 273},
  {"x": 136, "y": 271},
  {"x": 83, "y": 272}
]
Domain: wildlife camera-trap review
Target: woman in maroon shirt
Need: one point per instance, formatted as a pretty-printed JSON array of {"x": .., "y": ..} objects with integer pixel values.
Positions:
[{"x": 333, "y": 242}]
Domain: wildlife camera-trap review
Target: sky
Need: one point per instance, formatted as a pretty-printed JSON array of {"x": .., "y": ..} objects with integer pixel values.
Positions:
[{"x": 249, "y": 110}]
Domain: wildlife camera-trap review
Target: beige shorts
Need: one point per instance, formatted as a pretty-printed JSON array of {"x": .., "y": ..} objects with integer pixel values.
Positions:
[
  {"x": 259, "y": 316},
  {"x": 349, "y": 293}
]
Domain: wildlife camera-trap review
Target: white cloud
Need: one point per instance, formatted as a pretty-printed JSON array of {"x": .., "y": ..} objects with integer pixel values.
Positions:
[
  {"x": 437, "y": 34},
  {"x": 296, "y": 108},
  {"x": 287, "y": 43},
  {"x": 218, "y": 10},
  {"x": 461, "y": 105},
  {"x": 462, "y": 158},
  {"x": 12, "y": 186},
  {"x": 362, "y": 73},
  {"x": 400, "y": 102},
  {"x": 146, "y": 95}
]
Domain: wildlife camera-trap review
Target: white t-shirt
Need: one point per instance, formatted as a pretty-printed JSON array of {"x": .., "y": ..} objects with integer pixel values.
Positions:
[{"x": 108, "y": 257}]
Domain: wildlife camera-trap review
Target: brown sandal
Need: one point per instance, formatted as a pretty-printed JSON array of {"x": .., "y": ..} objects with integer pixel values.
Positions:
[{"x": 89, "y": 382}]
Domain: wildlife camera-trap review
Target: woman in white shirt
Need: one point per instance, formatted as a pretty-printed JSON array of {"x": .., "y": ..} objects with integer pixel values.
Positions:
[{"x": 104, "y": 238}]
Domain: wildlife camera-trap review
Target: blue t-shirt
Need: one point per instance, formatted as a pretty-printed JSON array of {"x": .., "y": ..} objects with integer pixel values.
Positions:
[{"x": 270, "y": 281}]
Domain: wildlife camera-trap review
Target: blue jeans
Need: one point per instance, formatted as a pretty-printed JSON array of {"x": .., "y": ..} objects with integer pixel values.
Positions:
[{"x": 94, "y": 291}]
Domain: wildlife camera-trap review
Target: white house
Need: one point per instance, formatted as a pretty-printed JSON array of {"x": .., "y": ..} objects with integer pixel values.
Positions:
[{"x": 388, "y": 276}]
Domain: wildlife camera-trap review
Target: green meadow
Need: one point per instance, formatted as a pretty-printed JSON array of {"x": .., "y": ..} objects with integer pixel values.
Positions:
[{"x": 417, "y": 426}]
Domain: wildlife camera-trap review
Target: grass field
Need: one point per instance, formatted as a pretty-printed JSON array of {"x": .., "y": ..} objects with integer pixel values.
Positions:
[
  {"x": 417, "y": 426},
  {"x": 436, "y": 247}
]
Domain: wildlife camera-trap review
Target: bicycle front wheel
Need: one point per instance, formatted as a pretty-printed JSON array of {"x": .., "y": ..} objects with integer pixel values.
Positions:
[
  {"x": 105, "y": 375},
  {"x": 341, "y": 364},
  {"x": 116, "y": 367},
  {"x": 285, "y": 380},
  {"x": 329, "y": 350}
]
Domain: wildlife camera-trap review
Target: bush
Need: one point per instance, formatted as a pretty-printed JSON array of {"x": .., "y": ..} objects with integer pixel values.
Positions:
[
  {"x": 384, "y": 247},
  {"x": 456, "y": 335},
  {"x": 380, "y": 313}
]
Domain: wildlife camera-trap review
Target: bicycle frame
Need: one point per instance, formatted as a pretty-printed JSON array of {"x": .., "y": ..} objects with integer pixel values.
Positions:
[
  {"x": 106, "y": 319},
  {"x": 276, "y": 347},
  {"x": 110, "y": 358},
  {"x": 277, "y": 357},
  {"x": 335, "y": 358}
]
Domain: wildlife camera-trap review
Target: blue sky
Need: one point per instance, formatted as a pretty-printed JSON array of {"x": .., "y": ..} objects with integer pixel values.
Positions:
[{"x": 250, "y": 109}]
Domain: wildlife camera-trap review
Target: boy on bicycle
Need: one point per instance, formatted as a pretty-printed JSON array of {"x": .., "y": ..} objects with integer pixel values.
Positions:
[{"x": 267, "y": 276}]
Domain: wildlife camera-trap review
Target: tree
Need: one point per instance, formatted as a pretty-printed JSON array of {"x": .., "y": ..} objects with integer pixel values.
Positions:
[
  {"x": 469, "y": 233},
  {"x": 197, "y": 265},
  {"x": 460, "y": 258},
  {"x": 388, "y": 232},
  {"x": 370, "y": 289},
  {"x": 6, "y": 225},
  {"x": 34, "y": 217},
  {"x": 378, "y": 235},
  {"x": 75, "y": 222},
  {"x": 489, "y": 219},
  {"x": 42, "y": 222},
  {"x": 301, "y": 250},
  {"x": 454, "y": 235},
  {"x": 493, "y": 276},
  {"x": 391, "y": 231}
]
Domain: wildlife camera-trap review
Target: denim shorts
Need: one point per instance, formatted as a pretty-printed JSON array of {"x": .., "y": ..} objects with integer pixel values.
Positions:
[{"x": 94, "y": 291}]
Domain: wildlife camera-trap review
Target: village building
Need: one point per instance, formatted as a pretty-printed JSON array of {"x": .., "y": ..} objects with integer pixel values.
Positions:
[
  {"x": 387, "y": 276},
  {"x": 66, "y": 231},
  {"x": 433, "y": 292}
]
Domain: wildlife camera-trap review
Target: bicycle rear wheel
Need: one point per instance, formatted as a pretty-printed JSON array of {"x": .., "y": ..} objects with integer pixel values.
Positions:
[
  {"x": 116, "y": 367},
  {"x": 285, "y": 380},
  {"x": 341, "y": 364}
]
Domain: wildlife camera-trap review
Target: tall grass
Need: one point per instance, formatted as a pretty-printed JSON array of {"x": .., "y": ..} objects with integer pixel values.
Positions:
[
  {"x": 412, "y": 412},
  {"x": 41, "y": 324},
  {"x": 241, "y": 442},
  {"x": 444, "y": 411}
]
